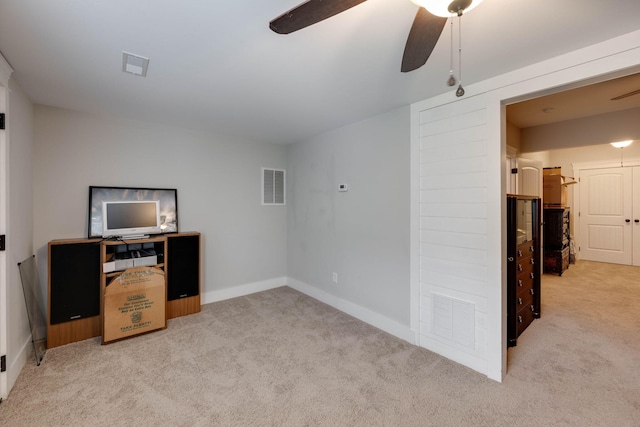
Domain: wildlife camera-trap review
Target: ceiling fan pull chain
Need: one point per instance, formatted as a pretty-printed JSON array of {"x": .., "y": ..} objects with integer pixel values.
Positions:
[
  {"x": 452, "y": 79},
  {"x": 460, "y": 91}
]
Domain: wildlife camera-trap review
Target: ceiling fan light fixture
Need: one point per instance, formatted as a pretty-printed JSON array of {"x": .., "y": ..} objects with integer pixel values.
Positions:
[
  {"x": 622, "y": 144},
  {"x": 446, "y": 8}
]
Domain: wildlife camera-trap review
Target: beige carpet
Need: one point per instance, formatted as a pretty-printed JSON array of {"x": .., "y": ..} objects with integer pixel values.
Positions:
[{"x": 280, "y": 358}]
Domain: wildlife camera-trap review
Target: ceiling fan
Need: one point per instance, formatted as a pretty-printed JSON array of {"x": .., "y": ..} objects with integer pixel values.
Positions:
[
  {"x": 626, "y": 95},
  {"x": 423, "y": 36}
]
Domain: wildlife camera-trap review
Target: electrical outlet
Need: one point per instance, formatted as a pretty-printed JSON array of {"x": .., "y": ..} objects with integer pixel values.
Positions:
[{"x": 334, "y": 277}]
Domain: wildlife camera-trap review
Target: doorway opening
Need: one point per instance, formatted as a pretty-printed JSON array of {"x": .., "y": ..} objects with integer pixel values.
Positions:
[{"x": 571, "y": 128}]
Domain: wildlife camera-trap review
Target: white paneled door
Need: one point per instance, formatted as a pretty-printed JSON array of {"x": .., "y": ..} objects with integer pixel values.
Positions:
[
  {"x": 529, "y": 177},
  {"x": 610, "y": 215}
]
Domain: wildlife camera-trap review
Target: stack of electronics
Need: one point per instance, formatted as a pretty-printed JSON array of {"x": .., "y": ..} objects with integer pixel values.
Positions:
[{"x": 131, "y": 255}]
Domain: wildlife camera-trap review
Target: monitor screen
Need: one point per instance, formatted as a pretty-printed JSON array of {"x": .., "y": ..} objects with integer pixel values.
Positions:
[{"x": 124, "y": 218}]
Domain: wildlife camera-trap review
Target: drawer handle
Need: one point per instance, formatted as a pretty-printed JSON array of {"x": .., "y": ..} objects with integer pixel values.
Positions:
[
  {"x": 520, "y": 319},
  {"x": 532, "y": 249},
  {"x": 532, "y": 292},
  {"x": 532, "y": 275},
  {"x": 532, "y": 308},
  {"x": 520, "y": 301},
  {"x": 627, "y": 220},
  {"x": 520, "y": 267},
  {"x": 532, "y": 261},
  {"x": 519, "y": 282},
  {"x": 519, "y": 252}
]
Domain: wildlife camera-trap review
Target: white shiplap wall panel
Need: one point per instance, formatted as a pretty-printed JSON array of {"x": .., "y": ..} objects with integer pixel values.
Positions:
[
  {"x": 450, "y": 253},
  {"x": 451, "y": 150},
  {"x": 469, "y": 195},
  {"x": 454, "y": 137},
  {"x": 454, "y": 210},
  {"x": 461, "y": 180},
  {"x": 456, "y": 239},
  {"x": 453, "y": 230},
  {"x": 448, "y": 118},
  {"x": 469, "y": 285},
  {"x": 459, "y": 268},
  {"x": 454, "y": 166},
  {"x": 455, "y": 225}
]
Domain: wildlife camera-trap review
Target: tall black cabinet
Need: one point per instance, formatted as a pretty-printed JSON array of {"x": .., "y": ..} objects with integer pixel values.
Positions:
[{"x": 523, "y": 264}]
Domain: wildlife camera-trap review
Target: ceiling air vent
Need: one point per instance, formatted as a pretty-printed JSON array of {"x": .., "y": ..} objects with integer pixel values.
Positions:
[
  {"x": 134, "y": 64},
  {"x": 273, "y": 186}
]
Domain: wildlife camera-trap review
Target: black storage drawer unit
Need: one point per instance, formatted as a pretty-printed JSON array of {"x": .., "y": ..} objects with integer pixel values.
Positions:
[
  {"x": 523, "y": 267},
  {"x": 556, "y": 228},
  {"x": 557, "y": 238}
]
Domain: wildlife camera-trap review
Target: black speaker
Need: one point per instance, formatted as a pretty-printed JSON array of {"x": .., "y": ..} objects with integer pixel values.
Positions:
[
  {"x": 183, "y": 266},
  {"x": 74, "y": 281}
]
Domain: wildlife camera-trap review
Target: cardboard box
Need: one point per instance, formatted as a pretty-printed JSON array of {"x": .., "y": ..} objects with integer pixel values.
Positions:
[
  {"x": 552, "y": 171},
  {"x": 134, "y": 303},
  {"x": 554, "y": 190}
]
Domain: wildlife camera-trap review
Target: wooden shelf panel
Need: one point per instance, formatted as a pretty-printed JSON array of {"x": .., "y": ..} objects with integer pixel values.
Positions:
[
  {"x": 75, "y": 330},
  {"x": 183, "y": 306}
]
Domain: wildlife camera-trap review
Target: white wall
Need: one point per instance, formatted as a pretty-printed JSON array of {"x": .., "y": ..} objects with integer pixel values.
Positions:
[
  {"x": 19, "y": 226},
  {"x": 363, "y": 234},
  {"x": 601, "y": 153},
  {"x": 598, "y": 129},
  {"x": 218, "y": 181}
]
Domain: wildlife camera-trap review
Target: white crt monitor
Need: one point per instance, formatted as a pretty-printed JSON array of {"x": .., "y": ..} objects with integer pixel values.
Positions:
[{"x": 130, "y": 218}]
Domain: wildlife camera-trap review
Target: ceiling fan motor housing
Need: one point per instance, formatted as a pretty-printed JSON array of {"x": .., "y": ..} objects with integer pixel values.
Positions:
[{"x": 459, "y": 6}]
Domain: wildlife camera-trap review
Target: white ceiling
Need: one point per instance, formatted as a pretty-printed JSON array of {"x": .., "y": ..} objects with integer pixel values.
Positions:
[
  {"x": 584, "y": 101},
  {"x": 216, "y": 66}
]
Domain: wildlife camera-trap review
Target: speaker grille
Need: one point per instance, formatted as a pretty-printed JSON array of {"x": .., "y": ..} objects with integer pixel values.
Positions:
[
  {"x": 75, "y": 281},
  {"x": 183, "y": 271}
]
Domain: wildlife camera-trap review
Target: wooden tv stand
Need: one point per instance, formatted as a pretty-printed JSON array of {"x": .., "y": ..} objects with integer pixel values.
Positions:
[{"x": 75, "y": 268}]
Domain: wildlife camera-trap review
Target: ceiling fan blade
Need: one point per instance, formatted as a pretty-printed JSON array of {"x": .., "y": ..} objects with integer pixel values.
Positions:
[
  {"x": 423, "y": 36},
  {"x": 309, "y": 13},
  {"x": 626, "y": 95}
]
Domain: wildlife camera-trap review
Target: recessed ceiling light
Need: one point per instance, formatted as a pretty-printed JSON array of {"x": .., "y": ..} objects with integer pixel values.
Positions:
[{"x": 134, "y": 64}]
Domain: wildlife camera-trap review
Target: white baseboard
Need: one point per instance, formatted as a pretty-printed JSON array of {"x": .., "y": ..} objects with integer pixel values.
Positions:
[
  {"x": 14, "y": 366},
  {"x": 469, "y": 360},
  {"x": 242, "y": 290},
  {"x": 368, "y": 316}
]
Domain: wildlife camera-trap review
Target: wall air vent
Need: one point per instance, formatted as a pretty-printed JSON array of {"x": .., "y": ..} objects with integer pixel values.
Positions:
[
  {"x": 273, "y": 187},
  {"x": 134, "y": 64},
  {"x": 453, "y": 319}
]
